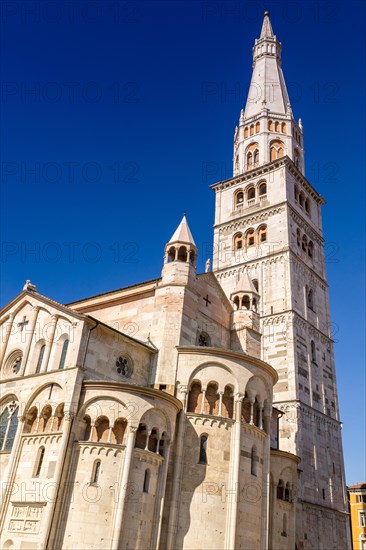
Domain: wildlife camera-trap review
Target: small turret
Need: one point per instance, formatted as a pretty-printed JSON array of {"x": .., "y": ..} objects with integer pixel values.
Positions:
[
  {"x": 180, "y": 255},
  {"x": 246, "y": 334}
]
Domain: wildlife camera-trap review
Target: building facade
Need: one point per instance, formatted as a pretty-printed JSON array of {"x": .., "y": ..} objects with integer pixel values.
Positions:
[
  {"x": 192, "y": 411},
  {"x": 357, "y": 504}
]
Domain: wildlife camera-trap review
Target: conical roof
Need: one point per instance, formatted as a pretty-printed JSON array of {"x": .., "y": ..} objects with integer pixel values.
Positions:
[
  {"x": 182, "y": 234},
  {"x": 266, "y": 31},
  {"x": 245, "y": 284}
]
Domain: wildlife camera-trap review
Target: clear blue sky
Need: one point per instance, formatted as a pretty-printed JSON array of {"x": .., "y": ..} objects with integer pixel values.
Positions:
[{"x": 125, "y": 112}]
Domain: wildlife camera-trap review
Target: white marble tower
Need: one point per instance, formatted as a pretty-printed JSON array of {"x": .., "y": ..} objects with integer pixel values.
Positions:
[{"x": 268, "y": 226}]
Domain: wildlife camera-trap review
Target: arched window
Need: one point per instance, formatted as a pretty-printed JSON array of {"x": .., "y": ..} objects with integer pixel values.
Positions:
[
  {"x": 251, "y": 193},
  {"x": 280, "y": 489},
  {"x": 182, "y": 254},
  {"x": 95, "y": 472},
  {"x": 238, "y": 241},
  {"x": 313, "y": 351},
  {"x": 277, "y": 150},
  {"x": 236, "y": 303},
  {"x": 65, "y": 345},
  {"x": 250, "y": 238},
  {"x": 251, "y": 130},
  {"x": 46, "y": 419},
  {"x": 195, "y": 398},
  {"x": 153, "y": 441},
  {"x": 301, "y": 199},
  {"x": 245, "y": 302},
  {"x": 283, "y": 127},
  {"x": 257, "y": 127},
  {"x": 262, "y": 189},
  {"x": 287, "y": 492},
  {"x": 250, "y": 160},
  {"x": 228, "y": 403},
  {"x": 262, "y": 234},
  {"x": 171, "y": 254},
  {"x": 102, "y": 428},
  {"x": 146, "y": 481},
  {"x": 304, "y": 243},
  {"x": 252, "y": 157},
  {"x": 253, "y": 462},
  {"x": 118, "y": 431},
  {"x": 284, "y": 526},
  {"x": 310, "y": 249},
  {"x": 87, "y": 428},
  {"x": 8, "y": 426},
  {"x": 141, "y": 437},
  {"x": 204, "y": 339},
  {"x": 40, "y": 358},
  {"x": 277, "y": 126},
  {"x": 296, "y": 193},
  {"x": 211, "y": 400},
  {"x": 310, "y": 298},
  {"x": 31, "y": 420},
  {"x": 203, "y": 449},
  {"x": 246, "y": 133},
  {"x": 254, "y": 304},
  {"x": 239, "y": 199},
  {"x": 307, "y": 206},
  {"x": 13, "y": 363},
  {"x": 39, "y": 462},
  {"x": 298, "y": 237}
]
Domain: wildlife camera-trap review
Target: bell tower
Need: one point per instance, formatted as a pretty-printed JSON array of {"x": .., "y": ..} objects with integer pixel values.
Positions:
[{"x": 268, "y": 228}]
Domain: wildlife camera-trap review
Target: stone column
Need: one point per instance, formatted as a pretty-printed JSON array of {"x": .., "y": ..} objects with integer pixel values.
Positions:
[
  {"x": 8, "y": 474},
  {"x": 221, "y": 393},
  {"x": 234, "y": 479},
  {"x": 49, "y": 341},
  {"x": 203, "y": 401},
  {"x": 123, "y": 487},
  {"x": 8, "y": 329},
  {"x": 265, "y": 493},
  {"x": 32, "y": 327},
  {"x": 50, "y": 507},
  {"x": 251, "y": 421},
  {"x": 160, "y": 498},
  {"x": 177, "y": 474},
  {"x": 273, "y": 500}
]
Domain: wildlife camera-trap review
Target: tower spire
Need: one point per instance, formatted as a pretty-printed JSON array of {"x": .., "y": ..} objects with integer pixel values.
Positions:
[
  {"x": 267, "y": 87},
  {"x": 267, "y": 129},
  {"x": 267, "y": 31}
]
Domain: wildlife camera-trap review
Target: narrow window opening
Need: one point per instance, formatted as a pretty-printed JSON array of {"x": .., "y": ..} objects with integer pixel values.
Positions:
[
  {"x": 96, "y": 472},
  {"x": 39, "y": 462},
  {"x": 40, "y": 359},
  {"x": 203, "y": 449},
  {"x": 63, "y": 355},
  {"x": 146, "y": 481}
]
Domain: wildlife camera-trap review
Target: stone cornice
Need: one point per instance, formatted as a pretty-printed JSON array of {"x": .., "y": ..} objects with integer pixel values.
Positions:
[
  {"x": 285, "y": 454},
  {"x": 276, "y": 318},
  {"x": 261, "y": 215},
  {"x": 265, "y": 169},
  {"x": 219, "y": 352},
  {"x": 284, "y": 406},
  {"x": 132, "y": 389},
  {"x": 270, "y": 257}
]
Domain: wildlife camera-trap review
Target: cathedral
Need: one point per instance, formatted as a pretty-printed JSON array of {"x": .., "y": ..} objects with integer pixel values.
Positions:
[{"x": 196, "y": 410}]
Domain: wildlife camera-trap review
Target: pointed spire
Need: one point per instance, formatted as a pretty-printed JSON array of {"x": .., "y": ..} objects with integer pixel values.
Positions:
[
  {"x": 267, "y": 89},
  {"x": 245, "y": 284},
  {"x": 267, "y": 31},
  {"x": 183, "y": 234}
]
